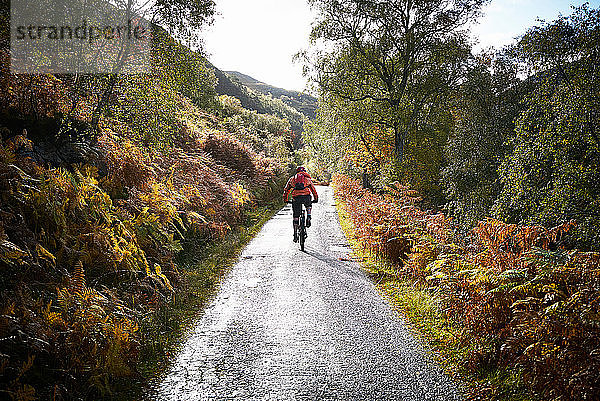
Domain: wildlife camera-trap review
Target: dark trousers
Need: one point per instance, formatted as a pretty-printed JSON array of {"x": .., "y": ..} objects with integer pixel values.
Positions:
[{"x": 297, "y": 202}]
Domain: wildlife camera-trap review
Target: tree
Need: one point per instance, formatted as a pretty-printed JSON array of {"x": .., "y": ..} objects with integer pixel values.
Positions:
[
  {"x": 391, "y": 58},
  {"x": 184, "y": 70},
  {"x": 339, "y": 141},
  {"x": 484, "y": 107},
  {"x": 181, "y": 18},
  {"x": 553, "y": 173}
]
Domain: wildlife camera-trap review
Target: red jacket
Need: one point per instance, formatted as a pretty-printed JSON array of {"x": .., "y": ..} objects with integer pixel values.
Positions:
[{"x": 308, "y": 188}]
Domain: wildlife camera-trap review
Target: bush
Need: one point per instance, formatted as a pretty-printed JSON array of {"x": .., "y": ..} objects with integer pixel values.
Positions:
[
  {"x": 88, "y": 253},
  {"x": 524, "y": 301}
]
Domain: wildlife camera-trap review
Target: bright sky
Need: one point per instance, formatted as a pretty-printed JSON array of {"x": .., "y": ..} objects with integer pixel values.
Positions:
[
  {"x": 260, "y": 37},
  {"x": 504, "y": 20}
]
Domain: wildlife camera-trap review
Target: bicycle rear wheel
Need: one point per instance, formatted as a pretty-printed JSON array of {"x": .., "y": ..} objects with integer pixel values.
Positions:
[{"x": 302, "y": 231}]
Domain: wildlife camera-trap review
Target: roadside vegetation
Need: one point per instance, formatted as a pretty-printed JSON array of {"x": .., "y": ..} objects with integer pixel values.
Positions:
[
  {"x": 469, "y": 183},
  {"x": 510, "y": 134},
  {"x": 114, "y": 193},
  {"x": 509, "y": 309}
]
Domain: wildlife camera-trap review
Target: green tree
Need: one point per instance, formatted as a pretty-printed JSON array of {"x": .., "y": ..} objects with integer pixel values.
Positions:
[
  {"x": 393, "y": 58},
  {"x": 181, "y": 18},
  {"x": 553, "y": 173},
  {"x": 337, "y": 140},
  {"x": 184, "y": 70},
  {"x": 485, "y": 106}
]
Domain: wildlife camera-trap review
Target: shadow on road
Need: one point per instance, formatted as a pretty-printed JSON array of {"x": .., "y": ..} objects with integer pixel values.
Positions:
[{"x": 345, "y": 266}]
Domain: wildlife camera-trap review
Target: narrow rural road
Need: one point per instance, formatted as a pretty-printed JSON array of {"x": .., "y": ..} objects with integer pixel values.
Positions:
[{"x": 288, "y": 325}]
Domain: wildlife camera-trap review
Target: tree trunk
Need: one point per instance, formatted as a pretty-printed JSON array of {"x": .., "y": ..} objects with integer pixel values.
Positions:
[
  {"x": 365, "y": 180},
  {"x": 103, "y": 104},
  {"x": 398, "y": 143}
]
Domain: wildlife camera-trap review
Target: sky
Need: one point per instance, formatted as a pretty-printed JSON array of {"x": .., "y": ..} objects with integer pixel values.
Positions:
[{"x": 260, "y": 37}]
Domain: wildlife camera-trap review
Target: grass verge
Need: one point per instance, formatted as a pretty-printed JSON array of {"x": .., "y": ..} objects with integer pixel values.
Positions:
[
  {"x": 449, "y": 342},
  {"x": 202, "y": 268}
]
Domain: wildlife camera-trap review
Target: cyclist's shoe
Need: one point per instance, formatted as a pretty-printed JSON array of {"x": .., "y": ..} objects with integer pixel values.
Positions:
[
  {"x": 295, "y": 237},
  {"x": 308, "y": 221}
]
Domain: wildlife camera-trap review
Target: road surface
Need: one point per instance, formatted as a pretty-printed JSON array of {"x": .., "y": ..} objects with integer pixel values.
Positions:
[{"x": 288, "y": 325}]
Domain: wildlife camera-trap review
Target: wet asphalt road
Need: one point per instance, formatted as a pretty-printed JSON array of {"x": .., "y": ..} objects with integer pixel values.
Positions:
[{"x": 288, "y": 325}]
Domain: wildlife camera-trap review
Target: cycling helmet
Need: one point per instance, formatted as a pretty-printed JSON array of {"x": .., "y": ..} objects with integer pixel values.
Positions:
[{"x": 300, "y": 168}]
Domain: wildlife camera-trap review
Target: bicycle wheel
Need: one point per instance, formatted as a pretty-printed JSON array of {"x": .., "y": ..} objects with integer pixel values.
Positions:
[{"x": 302, "y": 231}]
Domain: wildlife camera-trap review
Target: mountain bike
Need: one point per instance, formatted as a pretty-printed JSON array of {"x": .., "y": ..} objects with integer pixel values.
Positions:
[{"x": 302, "y": 228}]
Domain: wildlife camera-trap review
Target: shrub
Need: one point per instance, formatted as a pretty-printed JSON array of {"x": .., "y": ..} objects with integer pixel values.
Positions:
[{"x": 524, "y": 301}]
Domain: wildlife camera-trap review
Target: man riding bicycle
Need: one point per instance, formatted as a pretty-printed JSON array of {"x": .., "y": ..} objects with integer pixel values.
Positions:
[{"x": 301, "y": 186}]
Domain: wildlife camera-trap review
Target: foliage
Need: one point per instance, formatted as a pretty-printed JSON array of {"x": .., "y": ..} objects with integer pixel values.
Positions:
[
  {"x": 474, "y": 135},
  {"x": 102, "y": 250},
  {"x": 185, "y": 71},
  {"x": 151, "y": 110},
  {"x": 263, "y": 104},
  {"x": 394, "y": 60},
  {"x": 325, "y": 142},
  {"x": 89, "y": 251},
  {"x": 91, "y": 229},
  {"x": 159, "y": 107},
  {"x": 183, "y": 19},
  {"x": 552, "y": 173},
  {"x": 518, "y": 297},
  {"x": 59, "y": 232},
  {"x": 383, "y": 230},
  {"x": 264, "y": 133},
  {"x": 484, "y": 107},
  {"x": 303, "y": 102},
  {"x": 385, "y": 82},
  {"x": 36, "y": 96},
  {"x": 341, "y": 141}
]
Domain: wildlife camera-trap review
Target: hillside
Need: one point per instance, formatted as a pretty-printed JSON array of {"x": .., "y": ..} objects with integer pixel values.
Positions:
[
  {"x": 304, "y": 103},
  {"x": 259, "y": 102},
  {"x": 97, "y": 222}
]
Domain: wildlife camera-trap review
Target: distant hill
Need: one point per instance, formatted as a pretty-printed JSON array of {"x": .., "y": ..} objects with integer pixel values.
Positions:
[
  {"x": 302, "y": 102},
  {"x": 254, "y": 95},
  {"x": 225, "y": 86}
]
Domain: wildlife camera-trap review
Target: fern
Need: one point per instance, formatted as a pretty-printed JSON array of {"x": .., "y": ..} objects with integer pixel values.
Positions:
[
  {"x": 538, "y": 308},
  {"x": 78, "y": 278}
]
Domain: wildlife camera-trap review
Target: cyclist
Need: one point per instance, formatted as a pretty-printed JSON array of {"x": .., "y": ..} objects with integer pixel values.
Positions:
[{"x": 301, "y": 187}]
